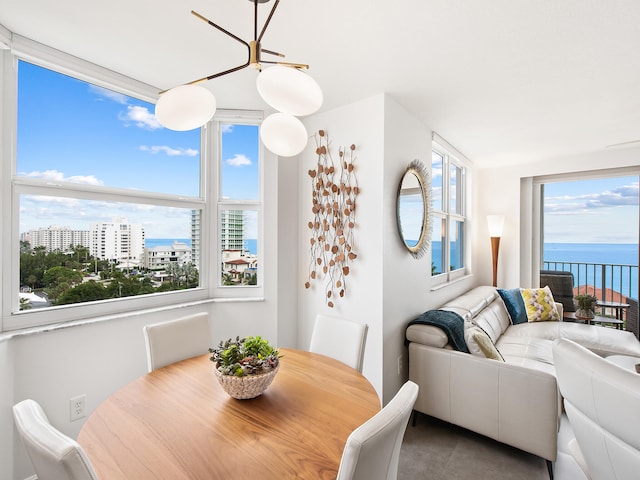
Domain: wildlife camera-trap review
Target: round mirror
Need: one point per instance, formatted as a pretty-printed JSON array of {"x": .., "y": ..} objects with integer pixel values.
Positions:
[{"x": 412, "y": 212}]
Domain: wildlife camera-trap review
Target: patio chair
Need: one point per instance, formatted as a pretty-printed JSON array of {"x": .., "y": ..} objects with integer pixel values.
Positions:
[{"x": 560, "y": 283}]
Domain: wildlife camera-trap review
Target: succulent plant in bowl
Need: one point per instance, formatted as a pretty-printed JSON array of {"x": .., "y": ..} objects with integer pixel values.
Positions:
[
  {"x": 246, "y": 356},
  {"x": 245, "y": 367}
]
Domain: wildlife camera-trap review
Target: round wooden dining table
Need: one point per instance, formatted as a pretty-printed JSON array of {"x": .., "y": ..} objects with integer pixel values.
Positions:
[{"x": 178, "y": 423}]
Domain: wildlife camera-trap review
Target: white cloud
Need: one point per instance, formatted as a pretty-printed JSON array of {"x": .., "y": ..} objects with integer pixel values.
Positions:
[
  {"x": 172, "y": 152},
  {"x": 227, "y": 128},
  {"x": 587, "y": 203},
  {"x": 56, "y": 176},
  {"x": 109, "y": 94},
  {"x": 238, "y": 160},
  {"x": 140, "y": 117}
]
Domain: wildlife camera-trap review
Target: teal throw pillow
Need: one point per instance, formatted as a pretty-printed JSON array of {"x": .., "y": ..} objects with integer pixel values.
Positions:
[{"x": 515, "y": 305}]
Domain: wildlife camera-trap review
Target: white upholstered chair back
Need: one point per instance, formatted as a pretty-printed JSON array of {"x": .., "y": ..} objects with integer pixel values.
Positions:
[
  {"x": 54, "y": 455},
  {"x": 176, "y": 340},
  {"x": 373, "y": 449},
  {"x": 602, "y": 401},
  {"x": 341, "y": 339}
]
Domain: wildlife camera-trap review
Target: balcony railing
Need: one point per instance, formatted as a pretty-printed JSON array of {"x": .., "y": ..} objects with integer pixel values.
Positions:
[
  {"x": 607, "y": 278},
  {"x": 608, "y": 282}
]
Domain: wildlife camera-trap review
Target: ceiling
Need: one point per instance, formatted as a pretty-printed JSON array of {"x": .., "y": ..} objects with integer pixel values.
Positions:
[{"x": 505, "y": 81}]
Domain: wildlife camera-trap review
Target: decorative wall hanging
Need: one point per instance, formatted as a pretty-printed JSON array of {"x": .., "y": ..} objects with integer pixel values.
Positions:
[
  {"x": 334, "y": 191},
  {"x": 413, "y": 209}
]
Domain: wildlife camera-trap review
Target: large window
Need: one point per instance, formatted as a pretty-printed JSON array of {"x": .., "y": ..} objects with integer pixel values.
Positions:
[
  {"x": 448, "y": 242},
  {"x": 111, "y": 211},
  {"x": 239, "y": 198},
  {"x": 589, "y": 227}
]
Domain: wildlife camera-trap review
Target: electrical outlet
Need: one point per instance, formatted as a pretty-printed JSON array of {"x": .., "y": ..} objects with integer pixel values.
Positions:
[
  {"x": 77, "y": 407},
  {"x": 400, "y": 365}
]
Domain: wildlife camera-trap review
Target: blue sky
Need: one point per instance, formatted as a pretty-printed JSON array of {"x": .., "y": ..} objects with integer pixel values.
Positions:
[
  {"x": 70, "y": 130},
  {"x": 592, "y": 211}
]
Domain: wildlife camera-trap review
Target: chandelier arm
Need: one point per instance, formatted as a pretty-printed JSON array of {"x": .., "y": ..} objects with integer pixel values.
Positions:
[
  {"x": 206, "y": 20},
  {"x": 266, "y": 24},
  {"x": 215, "y": 75},
  {"x": 271, "y": 52},
  {"x": 302, "y": 66},
  {"x": 219, "y": 74}
]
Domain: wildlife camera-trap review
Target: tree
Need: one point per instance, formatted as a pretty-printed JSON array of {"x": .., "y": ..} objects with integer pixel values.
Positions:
[
  {"x": 85, "y": 292},
  {"x": 56, "y": 275},
  {"x": 25, "y": 247}
]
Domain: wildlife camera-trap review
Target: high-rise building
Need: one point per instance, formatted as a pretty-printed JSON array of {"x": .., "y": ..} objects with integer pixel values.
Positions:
[
  {"x": 55, "y": 238},
  {"x": 117, "y": 240},
  {"x": 195, "y": 237},
  {"x": 232, "y": 230}
]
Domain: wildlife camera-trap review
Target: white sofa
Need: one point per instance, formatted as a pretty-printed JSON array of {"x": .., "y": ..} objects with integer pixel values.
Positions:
[{"x": 517, "y": 401}]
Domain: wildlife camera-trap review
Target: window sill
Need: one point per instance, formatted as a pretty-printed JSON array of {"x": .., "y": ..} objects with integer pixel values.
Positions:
[
  {"x": 4, "y": 336},
  {"x": 440, "y": 286}
]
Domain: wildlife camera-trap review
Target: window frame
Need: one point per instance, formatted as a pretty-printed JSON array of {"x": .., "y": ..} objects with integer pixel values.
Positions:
[
  {"x": 22, "y": 49},
  {"x": 451, "y": 157},
  {"x": 235, "y": 117}
]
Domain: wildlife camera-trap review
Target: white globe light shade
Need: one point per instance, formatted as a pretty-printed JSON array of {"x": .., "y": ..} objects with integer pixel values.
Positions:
[
  {"x": 185, "y": 107},
  {"x": 289, "y": 90},
  {"x": 283, "y": 134}
]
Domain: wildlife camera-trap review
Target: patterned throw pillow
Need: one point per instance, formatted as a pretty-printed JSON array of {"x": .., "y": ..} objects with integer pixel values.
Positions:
[
  {"x": 479, "y": 342},
  {"x": 539, "y": 304}
]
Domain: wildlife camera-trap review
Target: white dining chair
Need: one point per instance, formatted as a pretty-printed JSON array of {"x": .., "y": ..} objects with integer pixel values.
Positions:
[
  {"x": 602, "y": 401},
  {"x": 54, "y": 455},
  {"x": 373, "y": 449},
  {"x": 175, "y": 340},
  {"x": 341, "y": 339}
]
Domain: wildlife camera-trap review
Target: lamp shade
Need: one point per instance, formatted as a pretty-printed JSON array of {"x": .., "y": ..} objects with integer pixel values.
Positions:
[
  {"x": 283, "y": 134},
  {"x": 185, "y": 107},
  {"x": 496, "y": 224},
  {"x": 289, "y": 90}
]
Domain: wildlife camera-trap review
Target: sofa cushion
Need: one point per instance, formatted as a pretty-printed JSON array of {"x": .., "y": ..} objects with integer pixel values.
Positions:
[
  {"x": 539, "y": 304},
  {"x": 538, "y": 349},
  {"x": 494, "y": 319},
  {"x": 515, "y": 305},
  {"x": 479, "y": 342},
  {"x": 427, "y": 335},
  {"x": 529, "y": 363},
  {"x": 601, "y": 340}
]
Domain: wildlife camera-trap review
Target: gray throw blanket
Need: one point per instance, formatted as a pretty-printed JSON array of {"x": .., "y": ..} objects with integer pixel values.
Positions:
[{"x": 450, "y": 322}]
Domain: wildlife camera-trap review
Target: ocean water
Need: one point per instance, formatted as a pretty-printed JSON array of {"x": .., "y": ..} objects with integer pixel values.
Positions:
[
  {"x": 621, "y": 272},
  {"x": 250, "y": 244},
  {"x": 622, "y": 277},
  {"x": 607, "y": 253},
  {"x": 157, "y": 242}
]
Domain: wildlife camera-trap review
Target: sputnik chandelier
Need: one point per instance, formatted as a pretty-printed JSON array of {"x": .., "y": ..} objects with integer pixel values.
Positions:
[{"x": 284, "y": 86}]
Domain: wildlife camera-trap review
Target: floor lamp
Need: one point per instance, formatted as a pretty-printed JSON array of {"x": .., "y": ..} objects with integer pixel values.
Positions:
[{"x": 496, "y": 223}]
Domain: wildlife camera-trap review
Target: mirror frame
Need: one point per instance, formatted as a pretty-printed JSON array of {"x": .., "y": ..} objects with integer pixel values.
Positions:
[{"x": 417, "y": 168}]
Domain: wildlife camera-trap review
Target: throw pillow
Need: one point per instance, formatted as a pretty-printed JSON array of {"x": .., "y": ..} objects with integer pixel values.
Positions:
[
  {"x": 515, "y": 305},
  {"x": 540, "y": 304},
  {"x": 479, "y": 342}
]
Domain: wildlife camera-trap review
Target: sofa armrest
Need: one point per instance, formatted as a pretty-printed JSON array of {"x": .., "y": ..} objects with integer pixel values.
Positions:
[{"x": 515, "y": 405}]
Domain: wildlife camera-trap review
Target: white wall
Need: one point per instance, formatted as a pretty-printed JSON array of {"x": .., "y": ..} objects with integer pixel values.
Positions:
[
  {"x": 6, "y": 414},
  {"x": 361, "y": 124},
  {"x": 387, "y": 287},
  {"x": 498, "y": 191}
]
